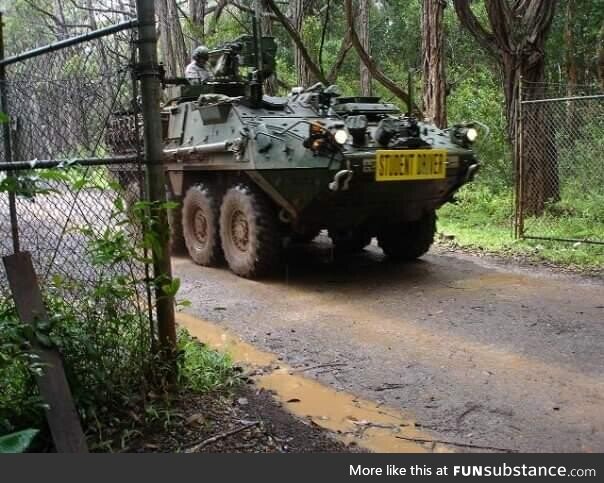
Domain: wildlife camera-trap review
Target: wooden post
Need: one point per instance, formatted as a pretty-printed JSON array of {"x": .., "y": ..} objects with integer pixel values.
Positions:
[{"x": 61, "y": 414}]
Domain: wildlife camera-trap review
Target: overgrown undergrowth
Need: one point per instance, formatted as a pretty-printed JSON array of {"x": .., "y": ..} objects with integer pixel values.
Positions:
[
  {"x": 110, "y": 392},
  {"x": 483, "y": 220},
  {"x": 100, "y": 321}
]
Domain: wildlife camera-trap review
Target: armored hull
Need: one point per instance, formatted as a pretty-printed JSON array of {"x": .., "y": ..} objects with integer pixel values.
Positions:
[{"x": 298, "y": 164}]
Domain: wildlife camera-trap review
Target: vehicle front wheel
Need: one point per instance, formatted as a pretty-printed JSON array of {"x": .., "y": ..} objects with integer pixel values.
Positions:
[
  {"x": 408, "y": 240},
  {"x": 200, "y": 225},
  {"x": 249, "y": 232}
]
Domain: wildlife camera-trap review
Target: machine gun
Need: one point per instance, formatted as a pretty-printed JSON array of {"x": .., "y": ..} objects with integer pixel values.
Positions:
[{"x": 242, "y": 52}]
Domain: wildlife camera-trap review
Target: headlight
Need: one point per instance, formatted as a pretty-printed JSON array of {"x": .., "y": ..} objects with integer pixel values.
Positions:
[
  {"x": 471, "y": 134},
  {"x": 341, "y": 136},
  {"x": 463, "y": 135}
]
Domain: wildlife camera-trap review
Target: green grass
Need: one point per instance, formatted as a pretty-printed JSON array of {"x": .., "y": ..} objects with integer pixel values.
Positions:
[
  {"x": 203, "y": 369},
  {"x": 482, "y": 220}
]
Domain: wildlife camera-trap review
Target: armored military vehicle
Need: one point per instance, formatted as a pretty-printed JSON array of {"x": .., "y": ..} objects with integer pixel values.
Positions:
[{"x": 252, "y": 172}]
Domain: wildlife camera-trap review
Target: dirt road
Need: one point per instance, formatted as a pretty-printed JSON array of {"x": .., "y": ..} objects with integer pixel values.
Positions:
[{"x": 479, "y": 353}]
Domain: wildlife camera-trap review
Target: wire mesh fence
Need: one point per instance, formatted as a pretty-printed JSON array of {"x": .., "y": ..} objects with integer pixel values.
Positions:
[
  {"x": 74, "y": 180},
  {"x": 560, "y": 191}
]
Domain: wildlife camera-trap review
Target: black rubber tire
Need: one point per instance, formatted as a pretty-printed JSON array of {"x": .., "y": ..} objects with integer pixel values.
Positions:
[
  {"x": 249, "y": 232},
  {"x": 200, "y": 215},
  {"x": 306, "y": 237},
  {"x": 410, "y": 240},
  {"x": 177, "y": 237},
  {"x": 353, "y": 242}
]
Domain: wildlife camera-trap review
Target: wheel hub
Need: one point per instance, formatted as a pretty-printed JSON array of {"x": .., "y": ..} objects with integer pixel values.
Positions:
[
  {"x": 240, "y": 231},
  {"x": 200, "y": 227}
]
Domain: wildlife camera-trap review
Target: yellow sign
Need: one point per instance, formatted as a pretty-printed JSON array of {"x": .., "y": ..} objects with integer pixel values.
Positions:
[{"x": 410, "y": 164}]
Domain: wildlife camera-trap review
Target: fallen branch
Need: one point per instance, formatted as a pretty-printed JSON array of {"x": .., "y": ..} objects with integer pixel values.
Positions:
[
  {"x": 218, "y": 437},
  {"x": 453, "y": 443}
]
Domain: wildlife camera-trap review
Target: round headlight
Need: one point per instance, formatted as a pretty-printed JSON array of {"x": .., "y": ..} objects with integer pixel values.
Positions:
[
  {"x": 341, "y": 136},
  {"x": 471, "y": 134}
]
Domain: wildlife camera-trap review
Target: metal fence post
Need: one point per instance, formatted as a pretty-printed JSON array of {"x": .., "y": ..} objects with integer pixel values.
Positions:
[
  {"x": 521, "y": 180},
  {"x": 8, "y": 154},
  {"x": 148, "y": 70}
]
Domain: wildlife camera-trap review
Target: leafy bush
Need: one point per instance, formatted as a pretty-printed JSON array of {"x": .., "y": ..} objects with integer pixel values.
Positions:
[
  {"x": 202, "y": 369},
  {"x": 100, "y": 325},
  {"x": 20, "y": 405}
]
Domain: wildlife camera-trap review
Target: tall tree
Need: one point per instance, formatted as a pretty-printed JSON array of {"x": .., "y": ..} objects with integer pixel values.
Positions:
[
  {"x": 363, "y": 33},
  {"x": 569, "y": 48},
  {"x": 304, "y": 74},
  {"x": 433, "y": 61},
  {"x": 171, "y": 39},
  {"x": 266, "y": 27},
  {"x": 306, "y": 67},
  {"x": 516, "y": 38},
  {"x": 374, "y": 69}
]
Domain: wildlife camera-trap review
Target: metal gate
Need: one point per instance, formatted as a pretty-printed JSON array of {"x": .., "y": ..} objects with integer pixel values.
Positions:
[
  {"x": 560, "y": 164},
  {"x": 65, "y": 188}
]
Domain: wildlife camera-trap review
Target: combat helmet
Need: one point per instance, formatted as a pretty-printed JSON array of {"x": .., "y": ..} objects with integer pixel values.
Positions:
[{"x": 201, "y": 53}]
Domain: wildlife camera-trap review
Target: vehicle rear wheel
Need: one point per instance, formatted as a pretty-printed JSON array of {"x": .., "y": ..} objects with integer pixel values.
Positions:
[
  {"x": 200, "y": 225},
  {"x": 249, "y": 232},
  {"x": 353, "y": 241},
  {"x": 408, "y": 240}
]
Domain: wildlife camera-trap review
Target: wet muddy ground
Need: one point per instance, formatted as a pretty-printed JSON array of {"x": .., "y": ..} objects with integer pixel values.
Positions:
[{"x": 473, "y": 351}]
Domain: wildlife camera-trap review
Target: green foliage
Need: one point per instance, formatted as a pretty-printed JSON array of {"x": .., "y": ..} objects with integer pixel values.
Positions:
[
  {"x": 202, "y": 369},
  {"x": 478, "y": 96},
  {"x": 102, "y": 329},
  {"x": 482, "y": 220},
  {"x": 20, "y": 404},
  {"x": 17, "y": 442}
]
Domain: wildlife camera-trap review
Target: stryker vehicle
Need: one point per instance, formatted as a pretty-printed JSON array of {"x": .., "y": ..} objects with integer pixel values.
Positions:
[{"x": 252, "y": 172}]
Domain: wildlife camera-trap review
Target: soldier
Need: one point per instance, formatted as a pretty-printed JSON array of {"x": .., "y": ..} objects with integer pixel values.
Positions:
[{"x": 197, "y": 71}]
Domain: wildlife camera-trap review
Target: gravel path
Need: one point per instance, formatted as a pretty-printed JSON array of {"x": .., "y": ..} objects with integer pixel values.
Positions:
[{"x": 478, "y": 352}]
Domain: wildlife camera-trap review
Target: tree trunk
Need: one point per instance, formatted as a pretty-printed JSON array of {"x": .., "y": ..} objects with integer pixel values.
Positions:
[
  {"x": 376, "y": 72},
  {"x": 569, "y": 48},
  {"x": 197, "y": 13},
  {"x": 171, "y": 39},
  {"x": 303, "y": 74},
  {"x": 433, "y": 55},
  {"x": 516, "y": 39},
  {"x": 363, "y": 34},
  {"x": 266, "y": 28},
  {"x": 178, "y": 39},
  {"x": 165, "y": 39}
]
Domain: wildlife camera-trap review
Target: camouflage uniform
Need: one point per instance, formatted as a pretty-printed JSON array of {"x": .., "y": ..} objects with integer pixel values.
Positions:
[{"x": 196, "y": 73}]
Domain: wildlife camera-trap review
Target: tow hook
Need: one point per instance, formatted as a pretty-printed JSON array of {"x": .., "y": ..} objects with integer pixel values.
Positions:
[
  {"x": 341, "y": 180},
  {"x": 471, "y": 172}
]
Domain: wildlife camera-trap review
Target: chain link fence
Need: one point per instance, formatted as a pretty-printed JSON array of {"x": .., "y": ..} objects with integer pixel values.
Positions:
[
  {"x": 68, "y": 183},
  {"x": 560, "y": 183}
]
